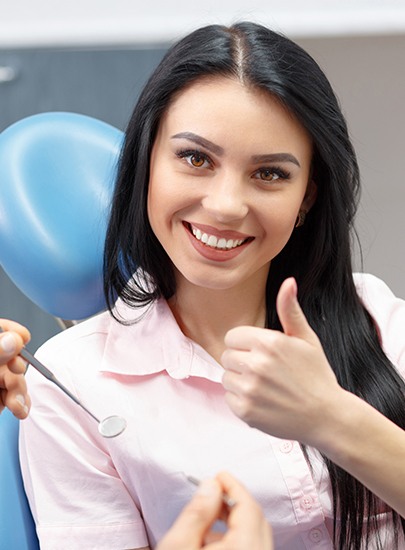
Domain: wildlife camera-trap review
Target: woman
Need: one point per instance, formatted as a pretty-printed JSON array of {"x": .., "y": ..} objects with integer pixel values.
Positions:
[{"x": 236, "y": 173}]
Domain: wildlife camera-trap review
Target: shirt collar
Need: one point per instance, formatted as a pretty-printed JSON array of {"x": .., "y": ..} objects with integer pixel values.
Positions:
[{"x": 152, "y": 344}]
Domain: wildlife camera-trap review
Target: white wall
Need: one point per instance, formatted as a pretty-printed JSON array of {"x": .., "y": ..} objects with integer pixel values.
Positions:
[{"x": 42, "y": 22}]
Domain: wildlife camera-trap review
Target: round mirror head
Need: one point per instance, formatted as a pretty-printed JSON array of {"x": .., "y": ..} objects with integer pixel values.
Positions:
[{"x": 112, "y": 426}]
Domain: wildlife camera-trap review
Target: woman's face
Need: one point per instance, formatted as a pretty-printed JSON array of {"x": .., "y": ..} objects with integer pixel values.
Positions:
[{"x": 229, "y": 172}]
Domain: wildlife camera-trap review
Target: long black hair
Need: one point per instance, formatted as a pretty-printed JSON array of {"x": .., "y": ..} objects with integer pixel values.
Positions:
[{"x": 318, "y": 254}]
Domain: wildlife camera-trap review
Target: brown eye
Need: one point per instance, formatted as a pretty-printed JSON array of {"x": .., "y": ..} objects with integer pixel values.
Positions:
[
  {"x": 197, "y": 160},
  {"x": 268, "y": 175},
  {"x": 272, "y": 174}
]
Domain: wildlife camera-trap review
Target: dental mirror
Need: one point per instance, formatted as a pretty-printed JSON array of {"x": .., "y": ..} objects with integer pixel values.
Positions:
[
  {"x": 109, "y": 427},
  {"x": 112, "y": 426}
]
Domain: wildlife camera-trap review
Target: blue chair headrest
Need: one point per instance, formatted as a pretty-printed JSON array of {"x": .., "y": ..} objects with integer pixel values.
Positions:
[{"x": 57, "y": 172}]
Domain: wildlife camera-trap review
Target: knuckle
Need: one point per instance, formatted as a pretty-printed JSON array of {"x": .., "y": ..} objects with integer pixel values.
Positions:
[
  {"x": 245, "y": 407},
  {"x": 252, "y": 386},
  {"x": 225, "y": 357},
  {"x": 17, "y": 365},
  {"x": 269, "y": 341}
]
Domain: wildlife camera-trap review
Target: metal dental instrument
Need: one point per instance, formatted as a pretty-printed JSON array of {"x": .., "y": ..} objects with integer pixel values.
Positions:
[
  {"x": 225, "y": 498},
  {"x": 109, "y": 427}
]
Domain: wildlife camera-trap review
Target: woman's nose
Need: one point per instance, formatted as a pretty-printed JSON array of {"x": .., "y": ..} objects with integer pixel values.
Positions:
[{"x": 225, "y": 200}]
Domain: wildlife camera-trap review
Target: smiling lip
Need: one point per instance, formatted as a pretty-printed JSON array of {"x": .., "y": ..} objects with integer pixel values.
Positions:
[{"x": 214, "y": 244}]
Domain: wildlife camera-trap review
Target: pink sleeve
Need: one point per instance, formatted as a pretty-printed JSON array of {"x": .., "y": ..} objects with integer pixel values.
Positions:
[
  {"x": 388, "y": 311},
  {"x": 75, "y": 493}
]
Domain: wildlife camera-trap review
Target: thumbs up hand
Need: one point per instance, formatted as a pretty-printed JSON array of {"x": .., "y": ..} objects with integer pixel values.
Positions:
[{"x": 280, "y": 382}]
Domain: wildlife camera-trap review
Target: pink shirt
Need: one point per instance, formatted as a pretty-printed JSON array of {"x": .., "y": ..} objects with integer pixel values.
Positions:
[{"x": 87, "y": 492}]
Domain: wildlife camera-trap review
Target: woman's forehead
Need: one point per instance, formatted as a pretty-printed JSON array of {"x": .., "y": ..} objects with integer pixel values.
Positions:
[{"x": 220, "y": 106}]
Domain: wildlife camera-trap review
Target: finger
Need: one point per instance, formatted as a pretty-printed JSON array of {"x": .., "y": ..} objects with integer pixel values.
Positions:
[
  {"x": 10, "y": 346},
  {"x": 234, "y": 489},
  {"x": 241, "y": 338},
  {"x": 239, "y": 405},
  {"x": 235, "y": 360},
  {"x": 236, "y": 383},
  {"x": 17, "y": 365},
  {"x": 8, "y": 325},
  {"x": 291, "y": 316},
  {"x": 14, "y": 394},
  {"x": 233, "y": 384},
  {"x": 192, "y": 525},
  {"x": 18, "y": 404},
  {"x": 245, "y": 505},
  {"x": 247, "y": 526}
]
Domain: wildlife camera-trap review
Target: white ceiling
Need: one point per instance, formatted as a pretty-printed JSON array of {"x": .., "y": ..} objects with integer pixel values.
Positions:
[{"x": 101, "y": 22}]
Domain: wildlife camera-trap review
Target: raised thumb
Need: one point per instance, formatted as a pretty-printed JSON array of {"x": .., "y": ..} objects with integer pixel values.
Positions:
[{"x": 291, "y": 316}]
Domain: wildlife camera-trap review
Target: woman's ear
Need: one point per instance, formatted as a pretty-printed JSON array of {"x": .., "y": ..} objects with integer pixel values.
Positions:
[{"x": 310, "y": 196}]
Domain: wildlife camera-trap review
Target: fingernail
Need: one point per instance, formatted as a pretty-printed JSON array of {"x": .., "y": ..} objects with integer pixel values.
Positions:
[
  {"x": 21, "y": 400},
  {"x": 8, "y": 343}
]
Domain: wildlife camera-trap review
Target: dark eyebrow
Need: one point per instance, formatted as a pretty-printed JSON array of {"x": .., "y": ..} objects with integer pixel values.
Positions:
[
  {"x": 257, "y": 159},
  {"x": 275, "y": 157},
  {"x": 200, "y": 141}
]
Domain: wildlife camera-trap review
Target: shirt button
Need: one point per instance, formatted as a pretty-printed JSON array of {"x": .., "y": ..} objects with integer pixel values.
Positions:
[
  {"x": 315, "y": 535},
  {"x": 286, "y": 446},
  {"x": 306, "y": 503}
]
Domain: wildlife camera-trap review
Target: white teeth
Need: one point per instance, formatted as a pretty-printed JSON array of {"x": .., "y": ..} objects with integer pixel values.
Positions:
[{"x": 214, "y": 242}]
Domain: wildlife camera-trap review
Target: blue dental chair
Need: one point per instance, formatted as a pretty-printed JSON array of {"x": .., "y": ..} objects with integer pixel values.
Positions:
[{"x": 56, "y": 178}]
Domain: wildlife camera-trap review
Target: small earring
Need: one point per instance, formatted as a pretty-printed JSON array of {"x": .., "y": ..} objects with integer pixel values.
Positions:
[{"x": 300, "y": 218}]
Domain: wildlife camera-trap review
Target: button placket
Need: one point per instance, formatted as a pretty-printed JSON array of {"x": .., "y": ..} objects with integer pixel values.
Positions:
[{"x": 303, "y": 494}]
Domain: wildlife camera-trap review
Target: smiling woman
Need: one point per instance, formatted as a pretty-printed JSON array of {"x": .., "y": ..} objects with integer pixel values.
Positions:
[
  {"x": 226, "y": 188},
  {"x": 236, "y": 173}
]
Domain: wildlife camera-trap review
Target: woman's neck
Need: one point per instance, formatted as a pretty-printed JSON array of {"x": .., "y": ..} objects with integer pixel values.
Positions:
[{"x": 206, "y": 315}]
